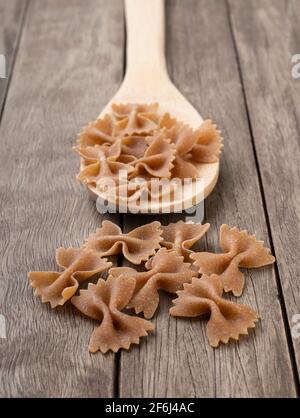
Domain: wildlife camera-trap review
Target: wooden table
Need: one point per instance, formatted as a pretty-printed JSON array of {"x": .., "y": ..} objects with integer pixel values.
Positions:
[{"x": 233, "y": 60}]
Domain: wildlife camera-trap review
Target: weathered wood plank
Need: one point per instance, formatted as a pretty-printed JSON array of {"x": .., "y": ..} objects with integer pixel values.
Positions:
[
  {"x": 267, "y": 35},
  {"x": 12, "y": 16},
  {"x": 177, "y": 360},
  {"x": 69, "y": 64}
]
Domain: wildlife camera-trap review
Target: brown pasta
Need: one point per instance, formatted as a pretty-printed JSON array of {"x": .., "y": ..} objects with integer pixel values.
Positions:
[
  {"x": 134, "y": 145},
  {"x": 157, "y": 160},
  {"x": 100, "y": 164},
  {"x": 166, "y": 271},
  {"x": 136, "y": 246},
  {"x": 135, "y": 118},
  {"x": 78, "y": 265},
  {"x": 208, "y": 143},
  {"x": 192, "y": 147},
  {"x": 98, "y": 132},
  {"x": 181, "y": 236},
  {"x": 181, "y": 134},
  {"x": 104, "y": 302},
  {"x": 183, "y": 138},
  {"x": 184, "y": 168},
  {"x": 136, "y": 140},
  {"x": 239, "y": 250},
  {"x": 204, "y": 144},
  {"x": 227, "y": 319}
]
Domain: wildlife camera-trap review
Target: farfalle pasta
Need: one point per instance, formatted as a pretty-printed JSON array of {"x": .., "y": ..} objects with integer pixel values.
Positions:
[
  {"x": 98, "y": 132},
  {"x": 181, "y": 236},
  {"x": 100, "y": 164},
  {"x": 240, "y": 250},
  {"x": 226, "y": 319},
  {"x": 78, "y": 264},
  {"x": 135, "y": 118},
  {"x": 136, "y": 246},
  {"x": 166, "y": 271},
  {"x": 208, "y": 143},
  {"x": 138, "y": 140},
  {"x": 158, "y": 157},
  {"x": 134, "y": 145},
  {"x": 104, "y": 302},
  {"x": 204, "y": 144},
  {"x": 192, "y": 147}
]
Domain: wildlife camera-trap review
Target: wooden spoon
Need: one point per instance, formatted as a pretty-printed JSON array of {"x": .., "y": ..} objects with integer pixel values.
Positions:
[{"x": 147, "y": 81}]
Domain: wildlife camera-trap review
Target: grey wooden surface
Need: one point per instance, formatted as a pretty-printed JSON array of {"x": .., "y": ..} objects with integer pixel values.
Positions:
[
  {"x": 12, "y": 15},
  {"x": 275, "y": 124},
  {"x": 233, "y": 62}
]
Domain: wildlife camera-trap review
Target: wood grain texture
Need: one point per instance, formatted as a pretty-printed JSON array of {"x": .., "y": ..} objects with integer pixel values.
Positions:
[
  {"x": 69, "y": 64},
  {"x": 267, "y": 35},
  {"x": 12, "y": 15},
  {"x": 177, "y": 360}
]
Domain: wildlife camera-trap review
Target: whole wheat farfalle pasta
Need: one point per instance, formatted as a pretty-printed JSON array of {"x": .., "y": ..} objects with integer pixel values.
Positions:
[
  {"x": 100, "y": 164},
  {"x": 181, "y": 135},
  {"x": 99, "y": 132},
  {"x": 78, "y": 264},
  {"x": 128, "y": 119},
  {"x": 134, "y": 118},
  {"x": 136, "y": 246},
  {"x": 166, "y": 271},
  {"x": 139, "y": 141},
  {"x": 104, "y": 302},
  {"x": 192, "y": 147},
  {"x": 181, "y": 236},
  {"x": 239, "y": 250},
  {"x": 158, "y": 157},
  {"x": 130, "y": 145},
  {"x": 226, "y": 319},
  {"x": 208, "y": 143},
  {"x": 204, "y": 144},
  {"x": 134, "y": 145}
]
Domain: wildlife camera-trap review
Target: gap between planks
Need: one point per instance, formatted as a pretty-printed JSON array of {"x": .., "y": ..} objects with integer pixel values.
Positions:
[
  {"x": 14, "y": 33},
  {"x": 265, "y": 208}
]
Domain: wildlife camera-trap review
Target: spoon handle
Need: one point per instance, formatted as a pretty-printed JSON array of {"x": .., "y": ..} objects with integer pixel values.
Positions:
[{"x": 145, "y": 25}]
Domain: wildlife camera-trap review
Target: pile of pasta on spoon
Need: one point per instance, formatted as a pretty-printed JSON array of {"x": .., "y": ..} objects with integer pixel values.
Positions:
[{"x": 138, "y": 140}]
